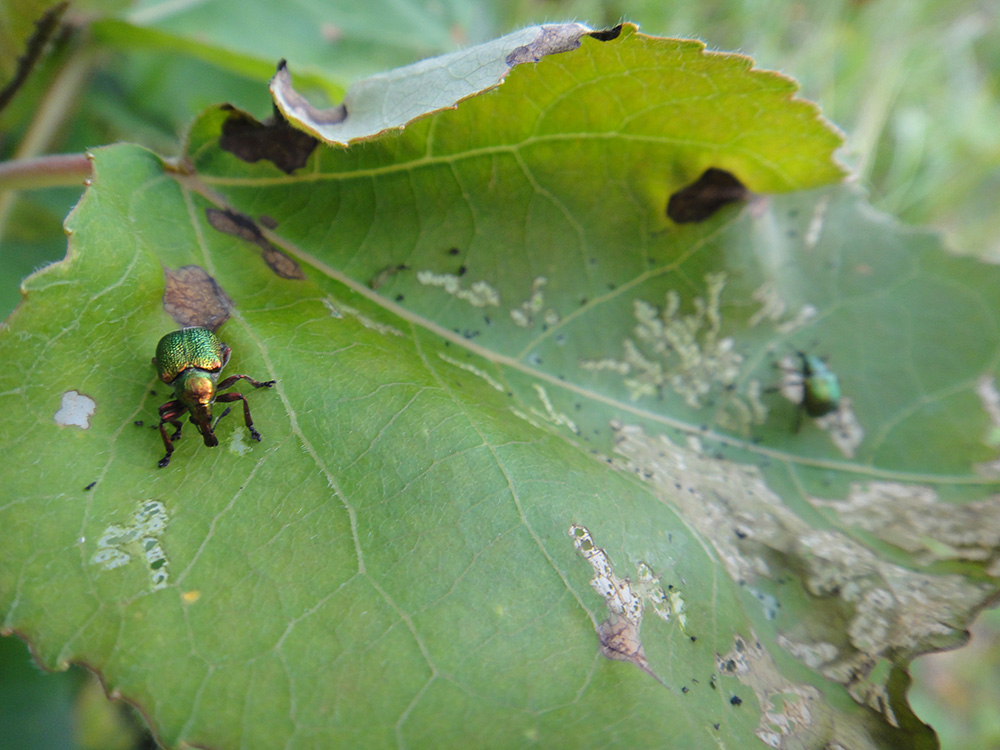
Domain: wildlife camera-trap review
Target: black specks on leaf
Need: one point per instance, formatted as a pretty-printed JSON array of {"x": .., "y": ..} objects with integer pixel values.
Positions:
[
  {"x": 274, "y": 140},
  {"x": 462, "y": 271},
  {"x": 736, "y": 700},
  {"x": 90, "y": 486},
  {"x": 400, "y": 298},
  {"x": 453, "y": 251},
  {"x": 193, "y": 298},
  {"x": 706, "y": 195},
  {"x": 684, "y": 689},
  {"x": 242, "y": 226},
  {"x": 606, "y": 35},
  {"x": 138, "y": 423}
]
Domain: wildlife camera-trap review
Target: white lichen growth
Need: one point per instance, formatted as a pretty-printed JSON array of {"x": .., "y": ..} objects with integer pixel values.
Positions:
[
  {"x": 687, "y": 353},
  {"x": 119, "y": 544},
  {"x": 524, "y": 315},
  {"x": 479, "y": 294},
  {"x": 550, "y": 414}
]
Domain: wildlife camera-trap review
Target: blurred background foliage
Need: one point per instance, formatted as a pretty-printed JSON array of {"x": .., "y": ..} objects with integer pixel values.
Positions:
[{"x": 915, "y": 85}]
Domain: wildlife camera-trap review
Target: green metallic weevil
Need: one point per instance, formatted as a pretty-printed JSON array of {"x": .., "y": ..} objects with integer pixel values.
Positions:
[
  {"x": 190, "y": 360},
  {"x": 820, "y": 388}
]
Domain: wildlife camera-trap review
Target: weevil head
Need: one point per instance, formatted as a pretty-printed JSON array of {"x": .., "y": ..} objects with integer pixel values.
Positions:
[{"x": 195, "y": 389}]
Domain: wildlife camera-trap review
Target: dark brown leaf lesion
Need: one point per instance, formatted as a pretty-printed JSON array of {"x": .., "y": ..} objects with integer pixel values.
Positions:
[
  {"x": 193, "y": 298},
  {"x": 242, "y": 226},
  {"x": 706, "y": 195},
  {"x": 274, "y": 139}
]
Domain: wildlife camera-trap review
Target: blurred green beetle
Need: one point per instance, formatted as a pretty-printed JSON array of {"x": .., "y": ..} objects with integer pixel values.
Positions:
[
  {"x": 820, "y": 388},
  {"x": 190, "y": 360}
]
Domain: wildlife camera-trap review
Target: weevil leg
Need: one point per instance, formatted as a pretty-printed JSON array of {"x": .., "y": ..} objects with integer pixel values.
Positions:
[
  {"x": 237, "y": 396},
  {"x": 219, "y": 418},
  {"x": 255, "y": 383},
  {"x": 170, "y": 413}
]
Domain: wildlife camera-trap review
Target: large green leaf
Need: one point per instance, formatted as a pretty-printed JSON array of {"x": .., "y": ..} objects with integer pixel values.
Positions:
[{"x": 522, "y": 419}]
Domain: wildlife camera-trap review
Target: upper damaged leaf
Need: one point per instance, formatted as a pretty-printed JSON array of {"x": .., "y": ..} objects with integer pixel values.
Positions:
[
  {"x": 701, "y": 110},
  {"x": 391, "y": 100}
]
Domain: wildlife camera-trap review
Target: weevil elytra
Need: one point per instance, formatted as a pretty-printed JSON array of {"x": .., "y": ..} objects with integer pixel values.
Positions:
[{"x": 190, "y": 360}]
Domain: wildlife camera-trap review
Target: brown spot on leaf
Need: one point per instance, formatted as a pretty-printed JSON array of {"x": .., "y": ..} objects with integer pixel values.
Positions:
[
  {"x": 620, "y": 641},
  {"x": 385, "y": 274},
  {"x": 274, "y": 139},
  {"x": 706, "y": 195},
  {"x": 242, "y": 226},
  {"x": 193, "y": 298},
  {"x": 550, "y": 41}
]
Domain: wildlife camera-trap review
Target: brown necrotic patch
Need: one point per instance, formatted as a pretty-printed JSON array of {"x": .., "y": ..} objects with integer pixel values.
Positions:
[
  {"x": 706, "y": 195},
  {"x": 242, "y": 226},
  {"x": 550, "y": 41},
  {"x": 274, "y": 139},
  {"x": 193, "y": 298}
]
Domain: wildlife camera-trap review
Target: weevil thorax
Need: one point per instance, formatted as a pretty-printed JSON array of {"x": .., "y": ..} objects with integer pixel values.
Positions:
[
  {"x": 190, "y": 360},
  {"x": 195, "y": 389}
]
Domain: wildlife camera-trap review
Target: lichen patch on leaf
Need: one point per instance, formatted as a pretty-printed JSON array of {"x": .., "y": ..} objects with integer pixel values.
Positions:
[
  {"x": 887, "y": 612},
  {"x": 338, "y": 309},
  {"x": 550, "y": 414},
  {"x": 524, "y": 314},
  {"x": 792, "y": 715},
  {"x": 474, "y": 370},
  {"x": 193, "y": 298},
  {"x": 773, "y": 308},
  {"x": 118, "y": 545},
  {"x": 618, "y": 635},
  {"x": 915, "y": 519},
  {"x": 480, "y": 294},
  {"x": 686, "y": 353}
]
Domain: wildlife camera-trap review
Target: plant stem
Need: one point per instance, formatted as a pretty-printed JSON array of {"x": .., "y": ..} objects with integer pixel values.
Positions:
[
  {"x": 55, "y": 170},
  {"x": 55, "y": 108}
]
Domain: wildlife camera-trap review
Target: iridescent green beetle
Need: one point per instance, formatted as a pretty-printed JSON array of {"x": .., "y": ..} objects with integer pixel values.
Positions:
[
  {"x": 820, "y": 388},
  {"x": 190, "y": 360}
]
